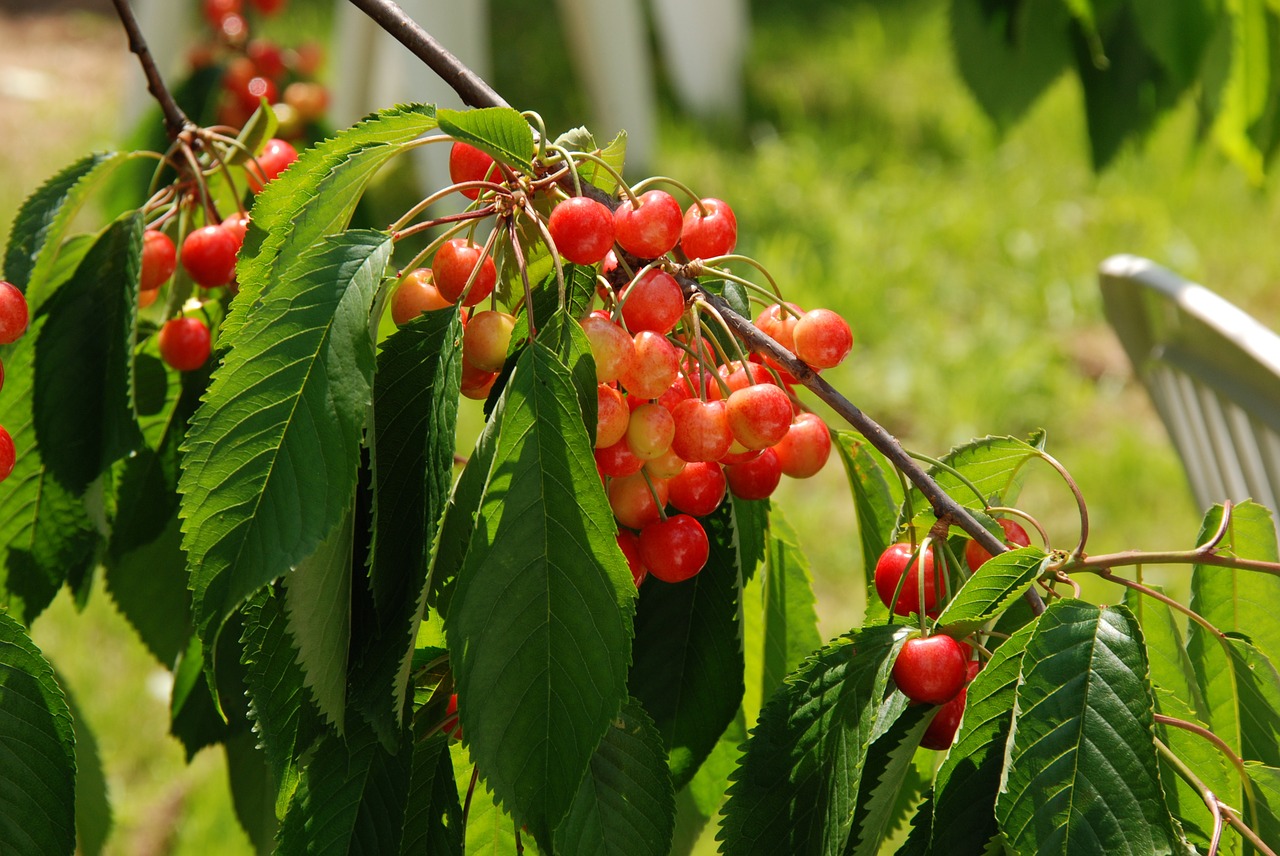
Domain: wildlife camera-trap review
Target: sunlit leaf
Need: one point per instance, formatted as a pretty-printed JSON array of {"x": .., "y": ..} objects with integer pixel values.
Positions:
[
  {"x": 500, "y": 131},
  {"x": 1000, "y": 581}
]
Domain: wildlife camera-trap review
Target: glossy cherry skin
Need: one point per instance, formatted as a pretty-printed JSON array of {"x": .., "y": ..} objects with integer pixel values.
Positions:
[
  {"x": 890, "y": 568},
  {"x": 209, "y": 256},
  {"x": 8, "y": 454},
  {"x": 273, "y": 160},
  {"x": 1014, "y": 535},
  {"x": 184, "y": 343},
  {"x": 629, "y": 543},
  {"x": 14, "y": 314},
  {"x": 805, "y": 450},
  {"x": 453, "y": 265},
  {"x": 467, "y": 163},
  {"x": 582, "y": 230},
  {"x": 674, "y": 549},
  {"x": 755, "y": 479},
  {"x": 698, "y": 489},
  {"x": 159, "y": 259},
  {"x": 710, "y": 233},
  {"x": 650, "y": 229},
  {"x": 822, "y": 338},
  {"x": 930, "y": 669}
]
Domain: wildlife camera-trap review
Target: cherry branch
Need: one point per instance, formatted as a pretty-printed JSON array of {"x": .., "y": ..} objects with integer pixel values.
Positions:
[
  {"x": 475, "y": 92},
  {"x": 175, "y": 121},
  {"x": 1197, "y": 556}
]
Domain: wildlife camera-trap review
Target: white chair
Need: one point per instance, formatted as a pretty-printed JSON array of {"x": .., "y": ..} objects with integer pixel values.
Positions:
[{"x": 1212, "y": 371}]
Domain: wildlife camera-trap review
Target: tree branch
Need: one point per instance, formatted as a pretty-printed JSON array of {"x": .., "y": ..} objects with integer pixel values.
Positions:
[
  {"x": 470, "y": 87},
  {"x": 175, "y": 121}
]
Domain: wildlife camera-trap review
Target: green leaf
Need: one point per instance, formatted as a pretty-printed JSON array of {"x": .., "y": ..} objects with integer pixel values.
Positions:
[
  {"x": 1081, "y": 774},
  {"x": 1264, "y": 816},
  {"x": 1258, "y": 692},
  {"x": 415, "y": 421},
  {"x": 1239, "y": 600},
  {"x": 42, "y": 223},
  {"x": 993, "y": 465},
  {"x": 93, "y": 808},
  {"x": 614, "y": 154},
  {"x": 751, "y": 528},
  {"x": 255, "y": 134},
  {"x": 1178, "y": 34},
  {"x": 790, "y": 622},
  {"x": 552, "y": 670},
  {"x": 315, "y": 197},
  {"x": 1238, "y": 82},
  {"x": 271, "y": 456},
  {"x": 709, "y": 785},
  {"x": 876, "y": 501},
  {"x": 687, "y": 667},
  {"x": 963, "y": 814},
  {"x": 433, "y": 821},
  {"x": 490, "y": 831},
  {"x": 1000, "y": 581},
  {"x": 796, "y": 788},
  {"x": 83, "y": 398},
  {"x": 888, "y": 765},
  {"x": 500, "y": 131},
  {"x": 37, "y": 751},
  {"x": 625, "y": 805},
  {"x": 193, "y": 717},
  {"x": 252, "y": 795},
  {"x": 1009, "y": 51}
]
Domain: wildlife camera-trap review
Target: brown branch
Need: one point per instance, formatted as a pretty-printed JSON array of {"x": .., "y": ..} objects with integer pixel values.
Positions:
[
  {"x": 470, "y": 87},
  {"x": 175, "y": 121}
]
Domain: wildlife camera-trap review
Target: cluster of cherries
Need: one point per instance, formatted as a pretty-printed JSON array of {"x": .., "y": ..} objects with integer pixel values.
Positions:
[
  {"x": 933, "y": 669},
  {"x": 257, "y": 68},
  {"x": 681, "y": 422},
  {"x": 13, "y": 324}
]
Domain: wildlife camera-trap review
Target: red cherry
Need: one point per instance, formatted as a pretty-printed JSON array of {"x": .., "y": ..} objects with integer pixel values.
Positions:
[
  {"x": 273, "y": 160},
  {"x": 184, "y": 343},
  {"x": 629, "y": 543},
  {"x": 632, "y": 501},
  {"x": 267, "y": 57},
  {"x": 467, "y": 163},
  {"x": 779, "y": 325},
  {"x": 941, "y": 732},
  {"x": 216, "y": 10},
  {"x": 930, "y": 669},
  {"x": 416, "y": 294},
  {"x": 453, "y": 265},
  {"x": 486, "y": 339},
  {"x": 1014, "y": 535},
  {"x": 702, "y": 430},
  {"x": 159, "y": 259},
  {"x": 698, "y": 489},
  {"x": 13, "y": 313},
  {"x": 617, "y": 461},
  {"x": 8, "y": 454},
  {"x": 806, "y": 448},
  {"x": 710, "y": 234},
  {"x": 612, "y": 416},
  {"x": 890, "y": 568},
  {"x": 450, "y": 723},
  {"x": 611, "y": 346},
  {"x": 759, "y": 415},
  {"x": 654, "y": 367},
  {"x": 822, "y": 338},
  {"x": 582, "y": 230},
  {"x": 755, "y": 479},
  {"x": 209, "y": 256},
  {"x": 476, "y": 383},
  {"x": 650, "y": 228},
  {"x": 674, "y": 549},
  {"x": 652, "y": 302},
  {"x": 238, "y": 226}
]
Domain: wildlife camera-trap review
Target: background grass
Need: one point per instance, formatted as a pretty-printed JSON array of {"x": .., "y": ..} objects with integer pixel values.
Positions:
[{"x": 866, "y": 180}]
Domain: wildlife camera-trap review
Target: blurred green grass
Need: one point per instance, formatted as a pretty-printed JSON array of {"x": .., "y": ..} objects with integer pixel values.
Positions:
[{"x": 866, "y": 180}]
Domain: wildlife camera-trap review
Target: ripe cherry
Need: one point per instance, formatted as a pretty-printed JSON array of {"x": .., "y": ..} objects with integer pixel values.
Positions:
[
  {"x": 705, "y": 235},
  {"x": 891, "y": 567},
  {"x": 414, "y": 295},
  {"x": 486, "y": 339},
  {"x": 582, "y": 230},
  {"x": 238, "y": 226},
  {"x": 451, "y": 726},
  {"x": 8, "y": 454},
  {"x": 453, "y": 265},
  {"x": 612, "y": 416},
  {"x": 930, "y": 669},
  {"x": 822, "y": 338},
  {"x": 668, "y": 465},
  {"x": 654, "y": 367},
  {"x": 698, "y": 489},
  {"x": 216, "y": 10},
  {"x": 159, "y": 259},
  {"x": 13, "y": 313},
  {"x": 184, "y": 343},
  {"x": 653, "y": 302},
  {"x": 632, "y": 501},
  {"x": 649, "y": 227},
  {"x": 779, "y": 325},
  {"x": 209, "y": 256},
  {"x": 629, "y": 543},
  {"x": 806, "y": 448},
  {"x": 941, "y": 731},
  {"x": 617, "y": 461},
  {"x": 267, "y": 57},
  {"x": 467, "y": 163},
  {"x": 274, "y": 159},
  {"x": 702, "y": 430},
  {"x": 674, "y": 549},
  {"x": 611, "y": 346},
  {"x": 1014, "y": 535},
  {"x": 759, "y": 415},
  {"x": 757, "y": 478}
]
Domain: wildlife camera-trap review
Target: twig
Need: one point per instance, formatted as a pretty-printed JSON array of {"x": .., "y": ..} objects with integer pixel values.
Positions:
[
  {"x": 175, "y": 121},
  {"x": 470, "y": 87}
]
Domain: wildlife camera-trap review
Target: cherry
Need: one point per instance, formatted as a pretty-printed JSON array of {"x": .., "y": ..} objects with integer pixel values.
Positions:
[
  {"x": 650, "y": 431},
  {"x": 738, "y": 375},
  {"x": 679, "y": 391},
  {"x": 739, "y": 454},
  {"x": 476, "y": 383},
  {"x": 248, "y": 91},
  {"x": 582, "y": 230},
  {"x": 654, "y": 367},
  {"x": 806, "y": 448},
  {"x": 453, "y": 265},
  {"x": 633, "y": 502},
  {"x": 612, "y": 416},
  {"x": 184, "y": 343},
  {"x": 822, "y": 338},
  {"x": 779, "y": 325},
  {"x": 238, "y": 226},
  {"x": 451, "y": 726},
  {"x": 611, "y": 346},
  {"x": 649, "y": 227},
  {"x": 941, "y": 731},
  {"x": 486, "y": 339},
  {"x": 629, "y": 543},
  {"x": 698, "y": 489},
  {"x": 1014, "y": 535},
  {"x": 891, "y": 567},
  {"x": 710, "y": 234},
  {"x": 216, "y": 10},
  {"x": 757, "y": 478},
  {"x": 467, "y": 163},
  {"x": 209, "y": 256},
  {"x": 702, "y": 430},
  {"x": 416, "y": 294},
  {"x": 759, "y": 415},
  {"x": 13, "y": 313},
  {"x": 267, "y": 57},
  {"x": 146, "y": 298},
  {"x": 159, "y": 259},
  {"x": 273, "y": 160},
  {"x": 666, "y": 466},
  {"x": 930, "y": 669},
  {"x": 617, "y": 461},
  {"x": 8, "y": 454},
  {"x": 268, "y": 7},
  {"x": 674, "y": 549},
  {"x": 652, "y": 302},
  {"x": 309, "y": 100}
]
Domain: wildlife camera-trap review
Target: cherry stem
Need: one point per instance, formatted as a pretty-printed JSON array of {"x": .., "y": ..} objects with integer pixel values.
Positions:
[
  {"x": 1106, "y": 574},
  {"x": 653, "y": 492},
  {"x": 1018, "y": 512},
  {"x": 571, "y": 166},
  {"x": 1075, "y": 491},
  {"x": 1204, "y": 555},
  {"x": 428, "y": 225},
  {"x": 175, "y": 121},
  {"x": 523, "y": 266},
  {"x": 707, "y": 268},
  {"x": 535, "y": 118},
  {"x": 676, "y": 183},
  {"x": 532, "y": 213}
]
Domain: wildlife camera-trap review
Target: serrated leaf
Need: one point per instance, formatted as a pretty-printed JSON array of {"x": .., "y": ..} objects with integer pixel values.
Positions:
[
  {"x": 255, "y": 134},
  {"x": 790, "y": 621},
  {"x": 1258, "y": 694},
  {"x": 614, "y": 154},
  {"x": 82, "y": 403},
  {"x": 709, "y": 785},
  {"x": 93, "y": 807},
  {"x": 552, "y": 672},
  {"x": 625, "y": 805},
  {"x": 1081, "y": 773},
  {"x": 280, "y": 426},
  {"x": 1000, "y": 581},
  {"x": 193, "y": 718},
  {"x": 1264, "y": 814},
  {"x": 687, "y": 667},
  {"x": 252, "y": 794},
  {"x": 964, "y": 796},
  {"x": 888, "y": 764},
  {"x": 993, "y": 465},
  {"x": 564, "y": 335},
  {"x": 1240, "y": 600},
  {"x": 315, "y": 197},
  {"x": 1238, "y": 84},
  {"x": 37, "y": 750},
  {"x": 41, "y": 225},
  {"x": 499, "y": 131},
  {"x": 490, "y": 831},
  {"x": 796, "y": 788},
  {"x": 750, "y": 528},
  {"x": 876, "y": 502},
  {"x": 433, "y": 820}
]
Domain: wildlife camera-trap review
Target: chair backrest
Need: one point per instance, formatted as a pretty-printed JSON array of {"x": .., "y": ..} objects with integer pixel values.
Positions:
[{"x": 1213, "y": 372}]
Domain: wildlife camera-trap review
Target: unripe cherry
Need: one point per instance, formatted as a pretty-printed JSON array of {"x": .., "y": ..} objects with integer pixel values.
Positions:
[
  {"x": 611, "y": 346},
  {"x": 486, "y": 339},
  {"x": 612, "y": 416},
  {"x": 476, "y": 383},
  {"x": 779, "y": 325},
  {"x": 414, "y": 295},
  {"x": 650, "y": 431},
  {"x": 665, "y": 466}
]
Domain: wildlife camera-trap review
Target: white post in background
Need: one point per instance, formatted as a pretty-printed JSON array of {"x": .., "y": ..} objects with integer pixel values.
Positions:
[
  {"x": 704, "y": 45},
  {"x": 166, "y": 25}
]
